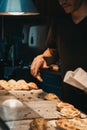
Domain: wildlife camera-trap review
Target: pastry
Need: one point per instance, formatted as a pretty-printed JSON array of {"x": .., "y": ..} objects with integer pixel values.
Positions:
[
  {"x": 52, "y": 97},
  {"x": 32, "y": 85},
  {"x": 38, "y": 124}
]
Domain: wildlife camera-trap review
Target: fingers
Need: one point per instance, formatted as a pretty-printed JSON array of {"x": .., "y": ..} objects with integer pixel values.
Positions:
[
  {"x": 35, "y": 67},
  {"x": 39, "y": 78},
  {"x": 37, "y": 63},
  {"x": 45, "y": 65}
]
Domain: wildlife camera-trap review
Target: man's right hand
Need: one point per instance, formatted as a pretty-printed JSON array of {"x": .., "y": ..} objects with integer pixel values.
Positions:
[{"x": 38, "y": 62}]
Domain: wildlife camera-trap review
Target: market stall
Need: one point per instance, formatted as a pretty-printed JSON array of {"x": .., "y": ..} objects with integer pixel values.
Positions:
[{"x": 20, "y": 107}]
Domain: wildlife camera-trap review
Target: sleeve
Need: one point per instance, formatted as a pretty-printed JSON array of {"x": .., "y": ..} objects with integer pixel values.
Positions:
[{"x": 51, "y": 37}]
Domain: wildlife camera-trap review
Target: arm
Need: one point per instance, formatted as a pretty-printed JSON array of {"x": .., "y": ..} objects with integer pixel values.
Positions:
[
  {"x": 47, "y": 57},
  {"x": 42, "y": 61}
]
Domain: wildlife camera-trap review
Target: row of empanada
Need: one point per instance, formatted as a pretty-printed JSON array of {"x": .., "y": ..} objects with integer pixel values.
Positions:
[{"x": 17, "y": 85}]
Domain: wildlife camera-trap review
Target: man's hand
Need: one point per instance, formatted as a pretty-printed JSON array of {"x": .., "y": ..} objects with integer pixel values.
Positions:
[{"x": 38, "y": 62}]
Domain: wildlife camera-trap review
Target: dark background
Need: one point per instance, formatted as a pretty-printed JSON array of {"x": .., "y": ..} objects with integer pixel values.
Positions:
[{"x": 11, "y": 28}]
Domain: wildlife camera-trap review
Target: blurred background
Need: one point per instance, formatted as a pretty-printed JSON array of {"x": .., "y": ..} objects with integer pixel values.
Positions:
[{"x": 22, "y": 37}]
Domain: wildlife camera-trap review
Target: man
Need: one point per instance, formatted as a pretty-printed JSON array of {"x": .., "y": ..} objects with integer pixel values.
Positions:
[{"x": 68, "y": 40}]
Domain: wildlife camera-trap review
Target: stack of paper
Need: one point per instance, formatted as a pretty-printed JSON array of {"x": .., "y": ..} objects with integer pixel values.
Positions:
[{"x": 77, "y": 78}]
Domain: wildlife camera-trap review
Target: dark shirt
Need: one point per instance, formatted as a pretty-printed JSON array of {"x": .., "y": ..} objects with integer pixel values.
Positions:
[{"x": 70, "y": 41}]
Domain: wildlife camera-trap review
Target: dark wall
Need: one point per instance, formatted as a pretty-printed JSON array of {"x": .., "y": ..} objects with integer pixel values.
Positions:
[
  {"x": 47, "y": 7},
  {"x": 11, "y": 29}
]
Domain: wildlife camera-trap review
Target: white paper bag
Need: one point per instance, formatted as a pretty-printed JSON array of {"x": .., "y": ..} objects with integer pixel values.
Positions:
[{"x": 77, "y": 78}]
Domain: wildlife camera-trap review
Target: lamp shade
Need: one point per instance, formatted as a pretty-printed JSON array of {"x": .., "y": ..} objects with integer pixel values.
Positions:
[{"x": 17, "y": 7}]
